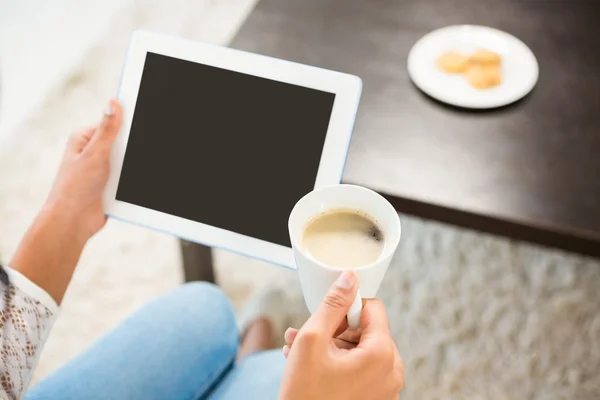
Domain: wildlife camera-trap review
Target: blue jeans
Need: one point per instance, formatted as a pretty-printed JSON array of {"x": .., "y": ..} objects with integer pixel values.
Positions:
[{"x": 179, "y": 346}]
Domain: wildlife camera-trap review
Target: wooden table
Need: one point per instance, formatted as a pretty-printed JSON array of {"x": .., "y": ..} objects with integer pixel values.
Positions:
[{"x": 530, "y": 171}]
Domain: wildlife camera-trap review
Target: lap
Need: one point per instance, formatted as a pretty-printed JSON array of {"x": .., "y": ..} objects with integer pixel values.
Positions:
[{"x": 175, "y": 347}]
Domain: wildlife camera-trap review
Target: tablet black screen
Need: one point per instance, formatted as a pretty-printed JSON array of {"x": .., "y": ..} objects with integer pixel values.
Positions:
[{"x": 223, "y": 148}]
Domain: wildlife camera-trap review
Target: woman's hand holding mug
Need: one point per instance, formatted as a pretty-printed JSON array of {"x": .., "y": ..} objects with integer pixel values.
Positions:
[{"x": 328, "y": 361}]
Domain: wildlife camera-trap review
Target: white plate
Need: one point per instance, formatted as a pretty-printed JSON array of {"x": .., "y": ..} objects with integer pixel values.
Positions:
[{"x": 519, "y": 66}]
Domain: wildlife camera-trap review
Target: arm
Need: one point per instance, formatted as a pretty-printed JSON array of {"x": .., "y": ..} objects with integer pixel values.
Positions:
[
  {"x": 72, "y": 213},
  {"x": 48, "y": 253}
]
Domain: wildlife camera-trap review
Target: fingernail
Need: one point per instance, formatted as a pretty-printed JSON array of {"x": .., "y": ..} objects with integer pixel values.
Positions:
[
  {"x": 110, "y": 109},
  {"x": 286, "y": 349},
  {"x": 346, "y": 280}
]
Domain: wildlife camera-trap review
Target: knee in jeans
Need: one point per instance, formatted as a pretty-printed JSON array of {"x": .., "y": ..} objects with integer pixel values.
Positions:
[{"x": 205, "y": 304}]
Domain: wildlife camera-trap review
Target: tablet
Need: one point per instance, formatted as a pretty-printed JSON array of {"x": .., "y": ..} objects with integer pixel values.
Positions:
[{"x": 217, "y": 145}]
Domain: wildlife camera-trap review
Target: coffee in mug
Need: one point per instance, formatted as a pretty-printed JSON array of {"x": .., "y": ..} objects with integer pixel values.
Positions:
[
  {"x": 325, "y": 227},
  {"x": 343, "y": 238}
]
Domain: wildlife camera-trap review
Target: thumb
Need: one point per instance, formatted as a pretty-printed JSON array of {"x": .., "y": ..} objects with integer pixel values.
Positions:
[
  {"x": 335, "y": 305},
  {"x": 109, "y": 126}
]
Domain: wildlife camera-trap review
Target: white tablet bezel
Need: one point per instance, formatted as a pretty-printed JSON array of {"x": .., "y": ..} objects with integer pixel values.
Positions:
[{"x": 347, "y": 89}]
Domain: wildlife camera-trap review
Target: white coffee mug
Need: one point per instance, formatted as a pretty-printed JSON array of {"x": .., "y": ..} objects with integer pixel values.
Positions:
[{"x": 315, "y": 277}]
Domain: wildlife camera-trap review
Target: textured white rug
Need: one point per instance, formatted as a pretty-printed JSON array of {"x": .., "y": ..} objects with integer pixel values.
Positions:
[{"x": 475, "y": 316}]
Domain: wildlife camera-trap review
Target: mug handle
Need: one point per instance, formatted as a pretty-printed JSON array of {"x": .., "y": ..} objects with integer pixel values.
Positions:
[{"x": 355, "y": 312}]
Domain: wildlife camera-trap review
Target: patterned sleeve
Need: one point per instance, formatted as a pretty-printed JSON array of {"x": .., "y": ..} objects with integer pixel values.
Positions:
[{"x": 26, "y": 316}]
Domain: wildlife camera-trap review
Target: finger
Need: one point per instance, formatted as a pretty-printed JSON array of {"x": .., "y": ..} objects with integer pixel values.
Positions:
[
  {"x": 339, "y": 343},
  {"x": 289, "y": 335},
  {"x": 397, "y": 375},
  {"x": 347, "y": 339},
  {"x": 394, "y": 379},
  {"x": 399, "y": 366},
  {"x": 351, "y": 335},
  {"x": 341, "y": 328},
  {"x": 374, "y": 322},
  {"x": 334, "y": 307},
  {"x": 78, "y": 140},
  {"x": 374, "y": 317},
  {"x": 343, "y": 344},
  {"x": 109, "y": 127}
]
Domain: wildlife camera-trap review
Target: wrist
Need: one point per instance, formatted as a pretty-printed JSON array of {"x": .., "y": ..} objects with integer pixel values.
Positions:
[
  {"x": 63, "y": 221},
  {"x": 50, "y": 249}
]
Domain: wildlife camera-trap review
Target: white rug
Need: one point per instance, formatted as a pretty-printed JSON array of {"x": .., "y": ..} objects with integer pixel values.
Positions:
[{"x": 475, "y": 316}]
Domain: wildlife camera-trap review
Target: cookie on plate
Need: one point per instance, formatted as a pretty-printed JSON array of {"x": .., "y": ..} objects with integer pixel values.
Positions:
[
  {"x": 484, "y": 76},
  {"x": 453, "y": 62},
  {"x": 486, "y": 57}
]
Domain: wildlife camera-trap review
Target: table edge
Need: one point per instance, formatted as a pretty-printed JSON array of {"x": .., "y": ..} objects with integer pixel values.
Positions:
[{"x": 540, "y": 235}]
